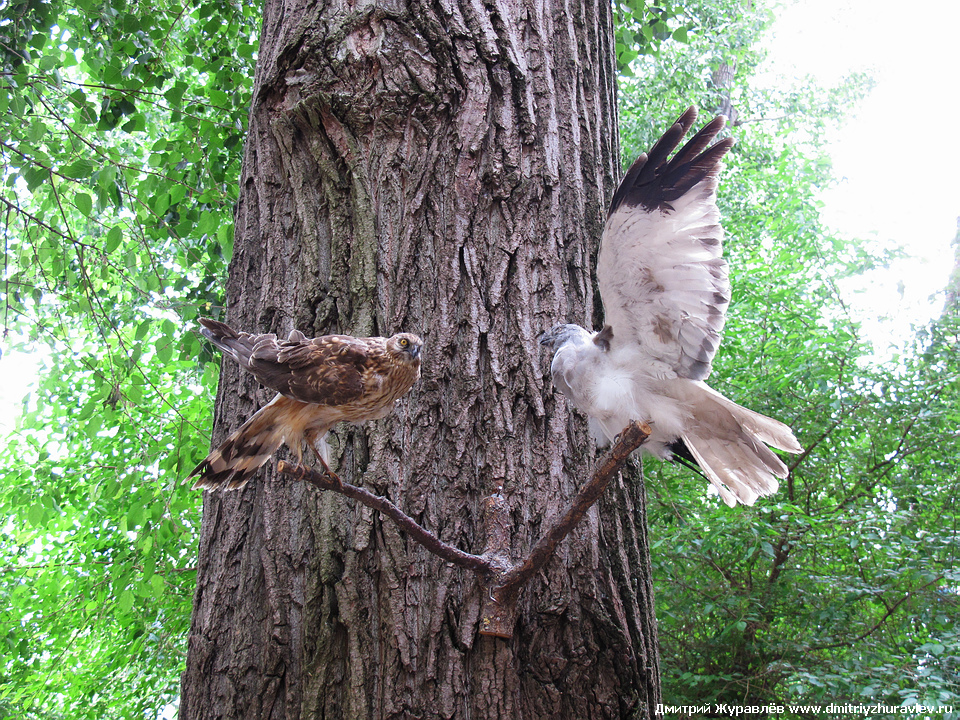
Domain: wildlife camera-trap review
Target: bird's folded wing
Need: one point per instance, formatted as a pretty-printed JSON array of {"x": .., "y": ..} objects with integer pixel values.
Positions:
[
  {"x": 662, "y": 277},
  {"x": 328, "y": 370}
]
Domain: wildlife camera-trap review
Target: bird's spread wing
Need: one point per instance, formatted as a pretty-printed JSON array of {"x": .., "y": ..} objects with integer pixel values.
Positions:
[
  {"x": 328, "y": 370},
  {"x": 662, "y": 277}
]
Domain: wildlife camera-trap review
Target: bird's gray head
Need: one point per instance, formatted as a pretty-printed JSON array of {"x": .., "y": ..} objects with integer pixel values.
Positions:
[
  {"x": 406, "y": 347},
  {"x": 559, "y": 335}
]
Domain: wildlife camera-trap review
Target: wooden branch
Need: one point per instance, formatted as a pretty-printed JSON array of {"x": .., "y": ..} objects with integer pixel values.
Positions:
[
  {"x": 331, "y": 481},
  {"x": 501, "y": 578},
  {"x": 498, "y": 615},
  {"x": 497, "y": 618}
]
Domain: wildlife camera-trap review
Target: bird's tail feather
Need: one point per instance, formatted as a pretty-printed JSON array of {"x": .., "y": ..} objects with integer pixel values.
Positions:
[
  {"x": 237, "y": 345},
  {"x": 232, "y": 464},
  {"x": 727, "y": 441},
  {"x": 772, "y": 432},
  {"x": 740, "y": 471}
]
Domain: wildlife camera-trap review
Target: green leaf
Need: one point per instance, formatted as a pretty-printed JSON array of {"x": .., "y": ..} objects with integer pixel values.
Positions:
[
  {"x": 48, "y": 62},
  {"x": 84, "y": 203},
  {"x": 36, "y": 514},
  {"x": 112, "y": 75},
  {"x": 113, "y": 240},
  {"x": 158, "y": 586},
  {"x": 142, "y": 329},
  {"x": 81, "y": 168},
  {"x": 36, "y": 132}
]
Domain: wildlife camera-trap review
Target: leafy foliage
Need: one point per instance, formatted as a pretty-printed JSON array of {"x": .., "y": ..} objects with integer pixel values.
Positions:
[
  {"x": 122, "y": 128},
  {"x": 645, "y": 30},
  {"x": 641, "y": 28},
  {"x": 843, "y": 585}
]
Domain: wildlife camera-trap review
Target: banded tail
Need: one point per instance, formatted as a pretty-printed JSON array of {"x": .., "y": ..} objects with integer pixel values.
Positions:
[{"x": 239, "y": 457}]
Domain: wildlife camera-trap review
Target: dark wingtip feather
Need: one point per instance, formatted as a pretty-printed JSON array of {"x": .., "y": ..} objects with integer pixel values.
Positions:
[
  {"x": 662, "y": 148},
  {"x": 687, "y": 175},
  {"x": 627, "y": 183},
  {"x": 701, "y": 140},
  {"x": 653, "y": 180}
]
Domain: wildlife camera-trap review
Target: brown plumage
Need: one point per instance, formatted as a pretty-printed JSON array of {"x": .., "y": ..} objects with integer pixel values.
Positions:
[{"x": 320, "y": 382}]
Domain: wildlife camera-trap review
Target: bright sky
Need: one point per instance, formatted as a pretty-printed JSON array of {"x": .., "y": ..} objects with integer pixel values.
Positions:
[
  {"x": 19, "y": 372},
  {"x": 899, "y": 155}
]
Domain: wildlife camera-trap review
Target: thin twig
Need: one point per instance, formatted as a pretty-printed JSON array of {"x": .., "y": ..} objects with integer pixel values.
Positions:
[{"x": 890, "y": 611}]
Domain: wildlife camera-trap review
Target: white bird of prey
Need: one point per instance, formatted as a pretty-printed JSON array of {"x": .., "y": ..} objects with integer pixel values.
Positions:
[{"x": 665, "y": 291}]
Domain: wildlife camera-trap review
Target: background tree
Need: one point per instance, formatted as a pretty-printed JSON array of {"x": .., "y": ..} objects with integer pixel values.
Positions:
[
  {"x": 442, "y": 172},
  {"x": 121, "y": 129},
  {"x": 840, "y": 585}
]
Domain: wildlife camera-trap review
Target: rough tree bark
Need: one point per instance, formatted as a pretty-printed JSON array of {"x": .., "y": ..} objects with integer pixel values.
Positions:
[{"x": 439, "y": 168}]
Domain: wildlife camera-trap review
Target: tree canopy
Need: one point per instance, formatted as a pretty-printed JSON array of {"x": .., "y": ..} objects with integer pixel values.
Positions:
[
  {"x": 122, "y": 126},
  {"x": 122, "y": 130}
]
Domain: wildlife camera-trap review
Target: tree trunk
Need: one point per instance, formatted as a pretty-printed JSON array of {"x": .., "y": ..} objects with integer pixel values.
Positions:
[{"x": 440, "y": 169}]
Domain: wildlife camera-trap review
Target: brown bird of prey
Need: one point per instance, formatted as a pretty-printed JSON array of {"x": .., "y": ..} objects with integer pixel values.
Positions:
[
  {"x": 320, "y": 382},
  {"x": 665, "y": 291}
]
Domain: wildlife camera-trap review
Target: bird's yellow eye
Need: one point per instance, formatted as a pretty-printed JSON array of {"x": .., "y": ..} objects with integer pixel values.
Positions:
[{"x": 404, "y": 343}]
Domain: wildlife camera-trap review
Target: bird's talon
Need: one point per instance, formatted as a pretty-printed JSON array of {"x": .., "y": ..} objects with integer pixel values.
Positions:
[{"x": 330, "y": 473}]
